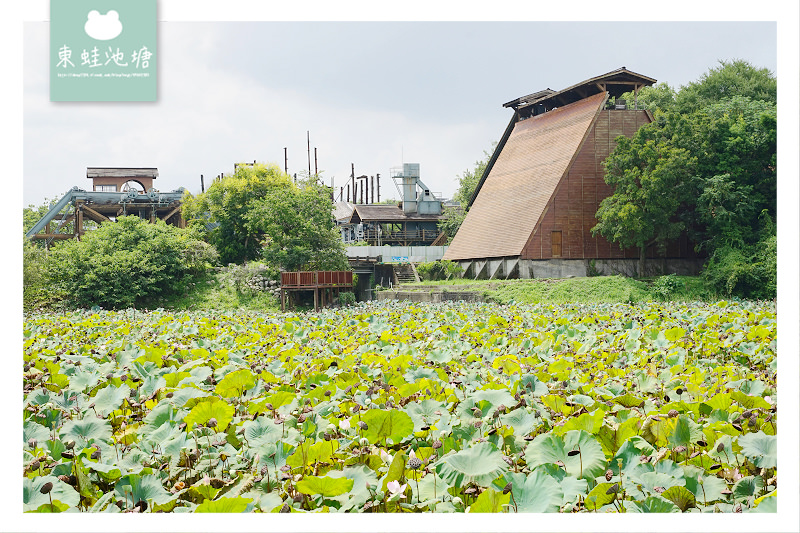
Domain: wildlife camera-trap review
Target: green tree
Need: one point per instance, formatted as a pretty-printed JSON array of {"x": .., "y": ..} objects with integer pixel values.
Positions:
[
  {"x": 224, "y": 207},
  {"x": 731, "y": 78},
  {"x": 297, "y": 228},
  {"x": 650, "y": 179},
  {"x": 129, "y": 262}
]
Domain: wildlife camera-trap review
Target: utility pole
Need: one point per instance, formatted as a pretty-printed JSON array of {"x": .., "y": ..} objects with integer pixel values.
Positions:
[
  {"x": 316, "y": 172},
  {"x": 308, "y": 139},
  {"x": 372, "y": 188},
  {"x": 378, "y": 176},
  {"x": 202, "y": 185},
  {"x": 285, "y": 161}
]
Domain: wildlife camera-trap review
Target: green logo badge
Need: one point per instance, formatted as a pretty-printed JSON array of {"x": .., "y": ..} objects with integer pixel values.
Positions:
[{"x": 103, "y": 50}]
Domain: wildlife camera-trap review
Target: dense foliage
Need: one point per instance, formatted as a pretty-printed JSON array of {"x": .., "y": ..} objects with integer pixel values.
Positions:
[
  {"x": 439, "y": 270},
  {"x": 127, "y": 263},
  {"x": 225, "y": 205},
  {"x": 404, "y": 408},
  {"x": 713, "y": 145},
  {"x": 259, "y": 213}
]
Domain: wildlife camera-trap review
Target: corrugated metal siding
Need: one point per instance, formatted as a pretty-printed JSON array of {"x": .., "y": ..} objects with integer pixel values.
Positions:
[{"x": 522, "y": 181}]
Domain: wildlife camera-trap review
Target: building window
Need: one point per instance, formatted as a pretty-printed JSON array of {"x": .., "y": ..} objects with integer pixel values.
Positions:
[
  {"x": 105, "y": 188},
  {"x": 555, "y": 242}
]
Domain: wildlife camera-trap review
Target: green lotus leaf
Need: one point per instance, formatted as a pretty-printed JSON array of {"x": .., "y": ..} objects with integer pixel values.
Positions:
[
  {"x": 685, "y": 432},
  {"x": 760, "y": 448},
  {"x": 424, "y": 413},
  {"x": 750, "y": 402},
  {"x": 310, "y": 452},
  {"x": 767, "y": 503},
  {"x": 440, "y": 355},
  {"x": 490, "y": 501},
  {"x": 628, "y": 400},
  {"x": 358, "y": 494},
  {"x": 109, "y": 399},
  {"x": 392, "y": 424},
  {"x": 572, "y": 488},
  {"x": 182, "y": 396},
  {"x": 480, "y": 464},
  {"x": 33, "y": 430},
  {"x": 396, "y": 469},
  {"x": 55, "y": 507},
  {"x": 531, "y": 383},
  {"x": 680, "y": 496},
  {"x": 261, "y": 432},
  {"x": 325, "y": 486},
  {"x": 496, "y": 397},
  {"x": 521, "y": 421},
  {"x": 673, "y": 334},
  {"x": 208, "y": 409},
  {"x": 235, "y": 383},
  {"x": 32, "y": 498},
  {"x": 550, "y": 448},
  {"x": 599, "y": 496},
  {"x": 630, "y": 453},
  {"x": 589, "y": 422},
  {"x": 653, "y": 504},
  {"x": 89, "y": 428},
  {"x": 706, "y": 489},
  {"x": 536, "y": 492},
  {"x": 613, "y": 436},
  {"x": 748, "y": 487},
  {"x": 224, "y": 505},
  {"x": 136, "y": 488}
]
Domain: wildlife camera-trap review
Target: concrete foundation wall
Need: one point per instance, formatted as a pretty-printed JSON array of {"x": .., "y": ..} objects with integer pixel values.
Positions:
[{"x": 515, "y": 268}]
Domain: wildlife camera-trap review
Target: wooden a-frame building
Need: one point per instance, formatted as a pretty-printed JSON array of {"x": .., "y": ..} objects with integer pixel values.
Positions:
[{"x": 532, "y": 212}]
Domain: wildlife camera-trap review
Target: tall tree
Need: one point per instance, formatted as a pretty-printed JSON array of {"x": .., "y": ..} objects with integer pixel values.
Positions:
[
  {"x": 297, "y": 229},
  {"x": 650, "y": 178},
  {"x": 223, "y": 209}
]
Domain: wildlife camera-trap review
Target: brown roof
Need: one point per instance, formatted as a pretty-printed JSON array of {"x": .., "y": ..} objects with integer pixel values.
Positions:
[
  {"x": 537, "y": 154},
  {"x": 384, "y": 213}
]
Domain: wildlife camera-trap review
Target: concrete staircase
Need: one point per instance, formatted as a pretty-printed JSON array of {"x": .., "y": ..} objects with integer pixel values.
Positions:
[{"x": 405, "y": 273}]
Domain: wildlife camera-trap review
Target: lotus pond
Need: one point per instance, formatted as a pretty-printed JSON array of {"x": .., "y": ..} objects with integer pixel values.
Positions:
[{"x": 404, "y": 408}]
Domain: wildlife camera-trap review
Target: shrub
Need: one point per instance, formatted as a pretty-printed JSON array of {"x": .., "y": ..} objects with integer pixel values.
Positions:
[
  {"x": 745, "y": 272},
  {"x": 128, "y": 263},
  {"x": 35, "y": 290},
  {"x": 347, "y": 298},
  {"x": 666, "y": 286},
  {"x": 438, "y": 270}
]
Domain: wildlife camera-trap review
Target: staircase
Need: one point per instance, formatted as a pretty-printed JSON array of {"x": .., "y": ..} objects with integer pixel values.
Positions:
[{"x": 405, "y": 273}]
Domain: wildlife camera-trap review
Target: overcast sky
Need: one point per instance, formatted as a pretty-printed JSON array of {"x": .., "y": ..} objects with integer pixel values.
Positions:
[{"x": 374, "y": 94}]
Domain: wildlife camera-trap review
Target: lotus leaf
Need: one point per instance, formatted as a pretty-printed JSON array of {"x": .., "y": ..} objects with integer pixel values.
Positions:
[
  {"x": 480, "y": 464},
  {"x": 224, "y": 505},
  {"x": 761, "y": 449}
]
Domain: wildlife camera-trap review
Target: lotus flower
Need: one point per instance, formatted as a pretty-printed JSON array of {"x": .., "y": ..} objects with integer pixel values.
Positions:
[
  {"x": 344, "y": 424},
  {"x": 395, "y": 487},
  {"x": 385, "y": 456}
]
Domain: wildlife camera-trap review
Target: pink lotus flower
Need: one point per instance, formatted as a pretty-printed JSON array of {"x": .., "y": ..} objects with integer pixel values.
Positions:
[{"x": 395, "y": 487}]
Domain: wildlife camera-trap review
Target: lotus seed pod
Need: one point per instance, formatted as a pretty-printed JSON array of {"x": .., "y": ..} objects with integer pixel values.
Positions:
[
  {"x": 673, "y": 413},
  {"x": 285, "y": 508},
  {"x": 96, "y": 454},
  {"x": 34, "y": 464},
  {"x": 609, "y": 474},
  {"x": 680, "y": 449},
  {"x": 32, "y": 443},
  {"x": 414, "y": 463},
  {"x": 64, "y": 478},
  {"x": 508, "y": 488},
  {"x": 169, "y": 395},
  {"x": 216, "y": 483},
  {"x": 363, "y": 425},
  {"x": 212, "y": 422},
  {"x": 142, "y": 505},
  {"x": 573, "y": 453},
  {"x": 46, "y": 488},
  {"x": 720, "y": 447},
  {"x": 747, "y": 414},
  {"x": 437, "y": 444},
  {"x": 613, "y": 488},
  {"x": 124, "y": 377},
  {"x": 298, "y": 498},
  {"x": 109, "y": 376},
  {"x": 477, "y": 413}
]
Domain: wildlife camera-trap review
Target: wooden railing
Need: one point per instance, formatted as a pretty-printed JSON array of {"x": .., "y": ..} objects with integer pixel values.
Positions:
[{"x": 319, "y": 278}]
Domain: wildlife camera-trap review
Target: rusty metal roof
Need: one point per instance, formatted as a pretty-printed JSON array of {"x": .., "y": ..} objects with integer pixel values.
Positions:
[
  {"x": 537, "y": 154},
  {"x": 385, "y": 213}
]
